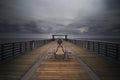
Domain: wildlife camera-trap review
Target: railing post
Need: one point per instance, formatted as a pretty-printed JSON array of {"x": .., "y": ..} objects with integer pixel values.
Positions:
[
  {"x": 93, "y": 46},
  {"x": 34, "y": 44},
  {"x": 88, "y": 45},
  {"x": 98, "y": 47},
  {"x": 106, "y": 51},
  {"x": 31, "y": 45},
  {"x": 25, "y": 46},
  {"x": 76, "y": 42},
  {"x": 85, "y": 44},
  {"x": 20, "y": 47},
  {"x": 39, "y": 43},
  {"x": 2, "y": 51},
  {"x": 106, "y": 48},
  {"x": 82, "y": 44},
  {"x": 117, "y": 52},
  {"x": 13, "y": 47},
  {"x": 79, "y": 43}
]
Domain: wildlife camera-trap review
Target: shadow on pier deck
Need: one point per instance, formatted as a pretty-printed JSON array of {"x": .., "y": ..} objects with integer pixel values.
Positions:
[{"x": 39, "y": 65}]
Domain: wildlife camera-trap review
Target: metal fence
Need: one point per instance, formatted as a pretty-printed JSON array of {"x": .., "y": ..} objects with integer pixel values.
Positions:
[
  {"x": 109, "y": 49},
  {"x": 10, "y": 50}
]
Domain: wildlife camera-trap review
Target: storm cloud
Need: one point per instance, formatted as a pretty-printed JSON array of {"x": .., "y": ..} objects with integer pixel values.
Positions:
[
  {"x": 31, "y": 27},
  {"x": 77, "y": 17}
]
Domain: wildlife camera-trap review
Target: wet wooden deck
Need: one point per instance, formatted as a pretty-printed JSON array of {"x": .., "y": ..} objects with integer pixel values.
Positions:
[
  {"x": 60, "y": 69},
  {"x": 17, "y": 67}
]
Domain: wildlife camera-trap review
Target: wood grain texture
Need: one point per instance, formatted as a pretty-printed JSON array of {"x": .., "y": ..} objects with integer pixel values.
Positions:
[
  {"x": 16, "y": 68},
  {"x": 105, "y": 68},
  {"x": 60, "y": 69}
]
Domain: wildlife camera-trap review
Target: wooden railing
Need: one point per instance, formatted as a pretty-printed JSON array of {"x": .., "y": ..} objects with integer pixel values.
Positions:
[
  {"x": 109, "y": 49},
  {"x": 10, "y": 50}
]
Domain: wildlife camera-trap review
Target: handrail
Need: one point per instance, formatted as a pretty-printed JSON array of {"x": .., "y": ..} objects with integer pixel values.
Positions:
[
  {"x": 13, "y": 49},
  {"x": 109, "y": 49}
]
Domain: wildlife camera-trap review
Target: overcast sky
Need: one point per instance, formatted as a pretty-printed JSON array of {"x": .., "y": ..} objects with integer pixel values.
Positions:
[{"x": 75, "y": 17}]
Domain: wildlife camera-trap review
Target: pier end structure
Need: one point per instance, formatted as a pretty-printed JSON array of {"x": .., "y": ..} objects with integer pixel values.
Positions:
[{"x": 53, "y": 37}]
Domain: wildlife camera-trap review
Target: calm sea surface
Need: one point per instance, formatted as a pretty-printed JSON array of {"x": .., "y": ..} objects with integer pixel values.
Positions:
[
  {"x": 102, "y": 39},
  {"x": 8, "y": 40}
]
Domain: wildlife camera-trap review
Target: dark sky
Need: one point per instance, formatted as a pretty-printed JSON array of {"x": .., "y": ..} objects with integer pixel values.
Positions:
[{"x": 75, "y": 17}]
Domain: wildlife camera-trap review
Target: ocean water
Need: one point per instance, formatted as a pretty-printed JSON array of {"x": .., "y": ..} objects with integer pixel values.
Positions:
[
  {"x": 102, "y": 39},
  {"x": 9, "y": 40}
]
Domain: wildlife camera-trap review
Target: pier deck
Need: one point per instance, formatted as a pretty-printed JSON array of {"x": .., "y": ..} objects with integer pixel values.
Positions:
[
  {"x": 60, "y": 69},
  {"x": 16, "y": 68}
]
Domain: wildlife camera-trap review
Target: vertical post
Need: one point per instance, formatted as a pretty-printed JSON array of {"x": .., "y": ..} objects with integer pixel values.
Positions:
[
  {"x": 53, "y": 37},
  {"x": 20, "y": 47},
  {"x": 82, "y": 44},
  {"x": 85, "y": 44},
  {"x": 2, "y": 52},
  {"x": 88, "y": 45},
  {"x": 106, "y": 49},
  {"x": 98, "y": 47},
  {"x": 117, "y": 52},
  {"x": 93, "y": 46},
  {"x": 13, "y": 46},
  {"x": 26, "y": 47},
  {"x": 35, "y": 44},
  {"x": 30, "y": 45},
  {"x": 78, "y": 43},
  {"x": 65, "y": 37},
  {"x": 39, "y": 44}
]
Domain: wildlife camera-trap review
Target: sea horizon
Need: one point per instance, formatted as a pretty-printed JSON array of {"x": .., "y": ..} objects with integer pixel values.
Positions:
[{"x": 9, "y": 40}]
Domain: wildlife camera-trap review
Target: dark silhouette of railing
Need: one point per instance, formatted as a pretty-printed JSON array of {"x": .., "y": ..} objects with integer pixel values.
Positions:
[
  {"x": 13, "y": 49},
  {"x": 109, "y": 49}
]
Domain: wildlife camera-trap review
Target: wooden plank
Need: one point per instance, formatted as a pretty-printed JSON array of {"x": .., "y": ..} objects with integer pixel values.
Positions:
[
  {"x": 16, "y": 68},
  {"x": 105, "y": 68},
  {"x": 60, "y": 69}
]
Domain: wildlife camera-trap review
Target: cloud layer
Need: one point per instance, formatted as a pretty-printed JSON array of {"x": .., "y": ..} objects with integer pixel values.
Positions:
[{"x": 77, "y": 17}]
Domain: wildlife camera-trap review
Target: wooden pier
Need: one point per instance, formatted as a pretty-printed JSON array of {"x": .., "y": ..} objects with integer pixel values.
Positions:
[{"x": 40, "y": 64}]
